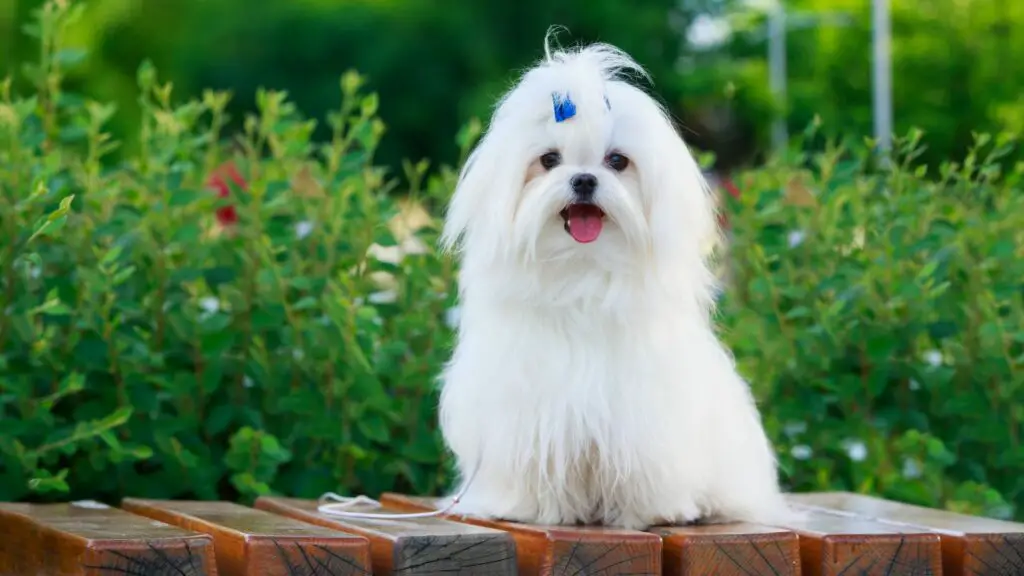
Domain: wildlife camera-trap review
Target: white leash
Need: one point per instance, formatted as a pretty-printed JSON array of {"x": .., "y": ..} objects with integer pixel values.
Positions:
[{"x": 333, "y": 504}]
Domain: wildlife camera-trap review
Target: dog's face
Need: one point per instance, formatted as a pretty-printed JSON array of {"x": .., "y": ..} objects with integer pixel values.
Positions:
[
  {"x": 583, "y": 180},
  {"x": 579, "y": 167}
]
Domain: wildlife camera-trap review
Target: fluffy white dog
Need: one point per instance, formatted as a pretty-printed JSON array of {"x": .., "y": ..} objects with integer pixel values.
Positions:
[{"x": 587, "y": 384}]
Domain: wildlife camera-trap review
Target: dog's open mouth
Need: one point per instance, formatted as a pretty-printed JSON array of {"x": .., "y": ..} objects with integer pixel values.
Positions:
[{"x": 583, "y": 221}]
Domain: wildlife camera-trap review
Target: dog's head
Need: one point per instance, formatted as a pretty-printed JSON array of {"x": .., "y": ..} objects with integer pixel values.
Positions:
[{"x": 581, "y": 168}]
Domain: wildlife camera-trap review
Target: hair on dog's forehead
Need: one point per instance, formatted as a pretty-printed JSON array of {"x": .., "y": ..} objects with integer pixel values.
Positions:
[
  {"x": 581, "y": 102},
  {"x": 572, "y": 87}
]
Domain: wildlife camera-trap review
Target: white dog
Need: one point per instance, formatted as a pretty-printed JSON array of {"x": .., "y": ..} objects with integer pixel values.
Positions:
[{"x": 587, "y": 384}]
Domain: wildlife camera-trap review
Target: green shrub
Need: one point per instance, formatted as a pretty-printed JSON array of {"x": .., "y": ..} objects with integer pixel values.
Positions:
[
  {"x": 879, "y": 315},
  {"x": 148, "y": 349}
]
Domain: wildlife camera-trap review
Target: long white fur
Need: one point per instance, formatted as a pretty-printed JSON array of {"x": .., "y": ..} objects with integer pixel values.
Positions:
[{"x": 587, "y": 383}]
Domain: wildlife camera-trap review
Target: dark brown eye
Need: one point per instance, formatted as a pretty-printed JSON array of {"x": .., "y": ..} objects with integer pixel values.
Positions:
[
  {"x": 617, "y": 161},
  {"x": 550, "y": 160}
]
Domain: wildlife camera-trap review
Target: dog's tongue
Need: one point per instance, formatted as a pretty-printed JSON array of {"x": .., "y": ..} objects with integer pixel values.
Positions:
[{"x": 585, "y": 222}]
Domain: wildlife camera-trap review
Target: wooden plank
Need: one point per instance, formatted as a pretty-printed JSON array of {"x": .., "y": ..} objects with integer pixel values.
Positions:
[
  {"x": 971, "y": 545},
  {"x": 551, "y": 550},
  {"x": 92, "y": 539},
  {"x": 842, "y": 545},
  {"x": 413, "y": 546},
  {"x": 729, "y": 550},
  {"x": 252, "y": 542}
]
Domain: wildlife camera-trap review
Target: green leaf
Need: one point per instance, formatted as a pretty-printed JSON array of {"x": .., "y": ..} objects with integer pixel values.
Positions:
[
  {"x": 182, "y": 197},
  {"x": 53, "y": 222},
  {"x": 374, "y": 428},
  {"x": 46, "y": 483},
  {"x": 69, "y": 57}
]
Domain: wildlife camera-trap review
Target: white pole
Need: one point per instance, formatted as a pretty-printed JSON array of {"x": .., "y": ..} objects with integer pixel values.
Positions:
[
  {"x": 881, "y": 33},
  {"x": 777, "y": 72}
]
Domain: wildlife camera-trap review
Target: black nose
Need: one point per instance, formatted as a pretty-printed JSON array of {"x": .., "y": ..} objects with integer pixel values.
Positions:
[{"x": 584, "y": 185}]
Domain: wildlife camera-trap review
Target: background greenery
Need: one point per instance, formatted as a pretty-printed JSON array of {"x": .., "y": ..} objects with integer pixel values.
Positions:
[
  {"x": 438, "y": 63},
  {"x": 148, "y": 348}
]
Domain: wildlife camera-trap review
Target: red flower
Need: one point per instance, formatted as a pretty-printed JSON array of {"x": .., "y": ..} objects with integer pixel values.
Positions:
[
  {"x": 218, "y": 181},
  {"x": 730, "y": 187}
]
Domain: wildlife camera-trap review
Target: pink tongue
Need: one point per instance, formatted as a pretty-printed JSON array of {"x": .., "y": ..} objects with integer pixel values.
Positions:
[{"x": 585, "y": 222}]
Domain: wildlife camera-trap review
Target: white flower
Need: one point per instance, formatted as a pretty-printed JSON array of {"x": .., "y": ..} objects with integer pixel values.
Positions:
[
  {"x": 385, "y": 254},
  {"x": 413, "y": 245},
  {"x": 383, "y": 297},
  {"x": 856, "y": 450},
  {"x": 451, "y": 317},
  {"x": 794, "y": 428},
  {"x": 302, "y": 229},
  {"x": 933, "y": 358},
  {"x": 209, "y": 304},
  {"x": 795, "y": 238},
  {"x": 801, "y": 451},
  {"x": 707, "y": 32},
  {"x": 911, "y": 468}
]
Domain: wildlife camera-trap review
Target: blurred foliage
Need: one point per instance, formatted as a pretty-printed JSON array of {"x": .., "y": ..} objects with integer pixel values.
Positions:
[
  {"x": 438, "y": 64},
  {"x": 879, "y": 315},
  {"x": 154, "y": 343}
]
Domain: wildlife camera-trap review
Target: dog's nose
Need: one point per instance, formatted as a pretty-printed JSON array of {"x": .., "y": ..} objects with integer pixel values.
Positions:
[{"x": 584, "y": 185}]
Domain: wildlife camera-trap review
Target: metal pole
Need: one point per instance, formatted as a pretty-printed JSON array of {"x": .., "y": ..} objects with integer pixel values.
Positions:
[
  {"x": 881, "y": 33},
  {"x": 777, "y": 72}
]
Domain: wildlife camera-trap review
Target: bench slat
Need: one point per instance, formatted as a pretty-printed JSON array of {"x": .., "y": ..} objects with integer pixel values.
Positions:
[
  {"x": 840, "y": 545},
  {"x": 250, "y": 542},
  {"x": 550, "y": 550},
  {"x": 971, "y": 545},
  {"x": 92, "y": 539},
  {"x": 729, "y": 550},
  {"x": 413, "y": 546}
]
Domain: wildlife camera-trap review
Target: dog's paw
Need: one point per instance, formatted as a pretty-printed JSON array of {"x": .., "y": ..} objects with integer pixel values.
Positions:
[{"x": 631, "y": 521}]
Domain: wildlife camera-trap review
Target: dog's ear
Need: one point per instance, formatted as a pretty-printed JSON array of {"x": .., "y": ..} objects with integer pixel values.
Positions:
[
  {"x": 683, "y": 216},
  {"x": 483, "y": 206},
  {"x": 459, "y": 210}
]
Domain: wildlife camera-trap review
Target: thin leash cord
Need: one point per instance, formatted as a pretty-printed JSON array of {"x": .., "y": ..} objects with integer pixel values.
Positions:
[{"x": 333, "y": 504}]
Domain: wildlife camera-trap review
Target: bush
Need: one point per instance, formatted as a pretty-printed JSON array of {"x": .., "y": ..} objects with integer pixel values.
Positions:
[
  {"x": 217, "y": 319},
  {"x": 879, "y": 315},
  {"x": 161, "y": 339}
]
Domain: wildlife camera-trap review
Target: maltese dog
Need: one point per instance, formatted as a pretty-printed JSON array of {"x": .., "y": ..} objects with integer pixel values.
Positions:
[{"x": 587, "y": 384}]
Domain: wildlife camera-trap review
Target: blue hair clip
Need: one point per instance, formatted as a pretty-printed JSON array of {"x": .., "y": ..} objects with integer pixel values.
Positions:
[{"x": 564, "y": 107}]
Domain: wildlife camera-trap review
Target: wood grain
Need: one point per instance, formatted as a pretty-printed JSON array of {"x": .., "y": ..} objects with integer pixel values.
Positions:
[
  {"x": 250, "y": 542},
  {"x": 92, "y": 539},
  {"x": 563, "y": 550},
  {"x": 413, "y": 546},
  {"x": 971, "y": 545},
  {"x": 840, "y": 545},
  {"x": 729, "y": 550}
]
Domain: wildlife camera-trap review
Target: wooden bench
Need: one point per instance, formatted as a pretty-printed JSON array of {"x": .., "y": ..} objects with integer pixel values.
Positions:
[
  {"x": 840, "y": 534},
  {"x": 250, "y": 542},
  {"x": 728, "y": 550},
  {"x": 970, "y": 545},
  {"x": 93, "y": 539},
  {"x": 556, "y": 550},
  {"x": 413, "y": 546}
]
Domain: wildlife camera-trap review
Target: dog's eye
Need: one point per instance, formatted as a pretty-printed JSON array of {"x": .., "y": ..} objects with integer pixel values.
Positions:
[
  {"x": 550, "y": 160},
  {"x": 617, "y": 162}
]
